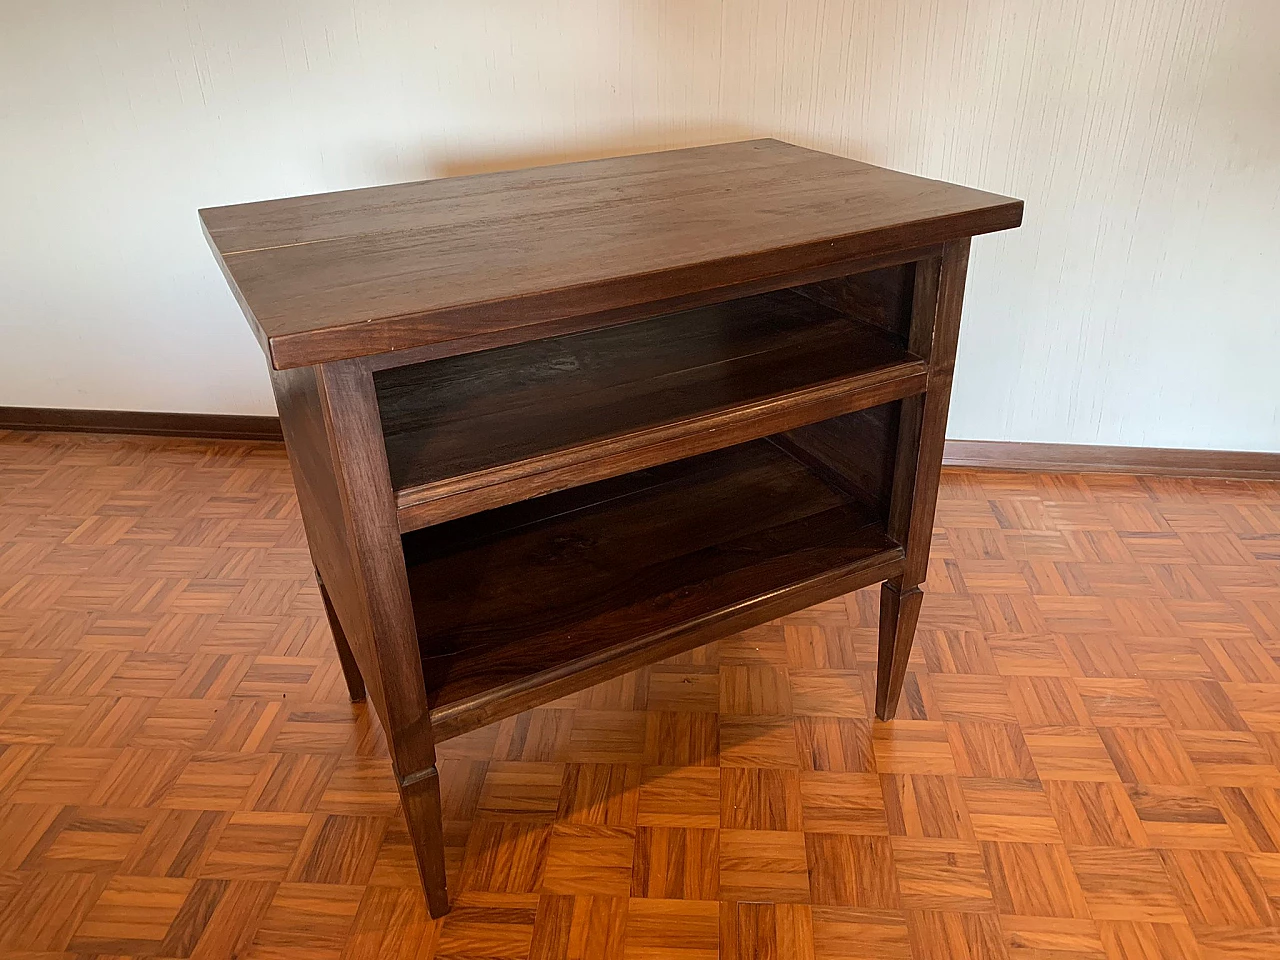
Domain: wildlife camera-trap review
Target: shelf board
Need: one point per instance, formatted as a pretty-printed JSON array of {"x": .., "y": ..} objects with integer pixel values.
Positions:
[
  {"x": 522, "y": 604},
  {"x": 476, "y": 431}
]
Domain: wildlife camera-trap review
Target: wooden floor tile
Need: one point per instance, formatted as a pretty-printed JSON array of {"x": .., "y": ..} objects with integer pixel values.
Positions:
[
  {"x": 851, "y": 871},
  {"x": 1093, "y": 814},
  {"x": 255, "y": 846},
  {"x": 1122, "y": 884},
  {"x": 1136, "y": 940},
  {"x": 1219, "y": 889},
  {"x": 1030, "y": 938},
  {"x": 827, "y": 693},
  {"x": 911, "y": 746},
  {"x": 679, "y": 797},
  {"x": 772, "y": 931},
  {"x": 758, "y": 742},
  {"x": 973, "y": 697},
  {"x": 1254, "y": 816},
  {"x": 919, "y": 805},
  {"x": 970, "y": 936},
  {"x": 1181, "y": 817},
  {"x": 579, "y": 928},
  {"x": 306, "y": 920},
  {"x": 672, "y": 930},
  {"x": 224, "y": 922},
  {"x": 132, "y": 915},
  {"x": 489, "y": 925},
  {"x": 942, "y": 876},
  {"x": 681, "y": 738},
  {"x": 521, "y": 791},
  {"x": 1009, "y": 810},
  {"x": 990, "y": 750},
  {"x": 1034, "y": 880},
  {"x": 1221, "y": 943},
  {"x": 607, "y": 736},
  {"x": 754, "y": 690},
  {"x": 44, "y": 910},
  {"x": 763, "y": 865},
  {"x": 676, "y": 863},
  {"x": 759, "y": 798},
  {"x": 391, "y": 922},
  {"x": 843, "y": 803},
  {"x": 506, "y": 857},
  {"x": 835, "y": 745},
  {"x": 1070, "y": 753},
  {"x": 849, "y": 933},
  {"x": 1149, "y": 755},
  {"x": 589, "y": 861},
  {"x": 600, "y": 794},
  {"x": 1086, "y": 764}
]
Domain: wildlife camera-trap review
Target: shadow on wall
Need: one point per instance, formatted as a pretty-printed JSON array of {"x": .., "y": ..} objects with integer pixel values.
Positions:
[{"x": 647, "y": 141}]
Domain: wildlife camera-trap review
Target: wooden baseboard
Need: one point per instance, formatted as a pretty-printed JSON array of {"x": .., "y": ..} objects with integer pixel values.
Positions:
[
  {"x": 1082, "y": 458},
  {"x": 988, "y": 454},
  {"x": 205, "y": 425}
]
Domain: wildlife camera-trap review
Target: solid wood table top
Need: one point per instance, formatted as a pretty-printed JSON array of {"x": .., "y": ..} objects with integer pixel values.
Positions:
[{"x": 364, "y": 272}]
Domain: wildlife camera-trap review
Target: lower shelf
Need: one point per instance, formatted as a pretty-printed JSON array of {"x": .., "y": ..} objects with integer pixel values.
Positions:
[{"x": 523, "y": 604}]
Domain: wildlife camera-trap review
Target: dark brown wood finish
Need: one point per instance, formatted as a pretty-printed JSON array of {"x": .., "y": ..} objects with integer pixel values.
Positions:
[
  {"x": 334, "y": 438},
  {"x": 484, "y": 429},
  {"x": 899, "y": 613},
  {"x": 364, "y": 272},
  {"x": 350, "y": 668},
  {"x": 691, "y": 300},
  {"x": 882, "y": 297},
  {"x": 1096, "y": 458},
  {"x": 935, "y": 330},
  {"x": 220, "y": 426},
  {"x": 550, "y": 426},
  {"x": 512, "y": 604},
  {"x": 856, "y": 451}
]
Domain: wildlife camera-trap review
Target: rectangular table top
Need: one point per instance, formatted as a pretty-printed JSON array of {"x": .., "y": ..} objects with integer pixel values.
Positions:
[{"x": 362, "y": 272}]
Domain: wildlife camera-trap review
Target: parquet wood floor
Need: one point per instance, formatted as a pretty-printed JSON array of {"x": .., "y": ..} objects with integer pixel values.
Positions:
[{"x": 1085, "y": 763}]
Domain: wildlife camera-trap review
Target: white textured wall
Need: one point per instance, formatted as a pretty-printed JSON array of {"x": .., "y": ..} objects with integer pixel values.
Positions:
[{"x": 1136, "y": 306}]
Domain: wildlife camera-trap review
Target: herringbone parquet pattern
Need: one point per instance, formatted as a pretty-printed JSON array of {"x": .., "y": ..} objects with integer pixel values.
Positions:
[{"x": 1085, "y": 764}]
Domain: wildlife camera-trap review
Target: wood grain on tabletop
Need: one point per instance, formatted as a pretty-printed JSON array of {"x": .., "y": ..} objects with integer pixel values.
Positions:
[{"x": 363, "y": 272}]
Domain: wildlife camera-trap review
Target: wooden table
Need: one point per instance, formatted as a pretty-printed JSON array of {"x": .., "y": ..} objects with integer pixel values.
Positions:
[{"x": 550, "y": 425}]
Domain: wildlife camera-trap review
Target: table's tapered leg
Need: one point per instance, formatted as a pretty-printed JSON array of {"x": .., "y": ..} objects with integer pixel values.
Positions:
[
  {"x": 350, "y": 669},
  {"x": 425, "y": 817},
  {"x": 899, "y": 612},
  {"x": 935, "y": 328},
  {"x": 329, "y": 416}
]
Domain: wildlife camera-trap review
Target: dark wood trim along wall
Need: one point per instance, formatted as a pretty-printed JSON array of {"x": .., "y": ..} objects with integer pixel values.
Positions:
[
  {"x": 988, "y": 454},
  {"x": 1082, "y": 458},
  {"x": 214, "y": 426}
]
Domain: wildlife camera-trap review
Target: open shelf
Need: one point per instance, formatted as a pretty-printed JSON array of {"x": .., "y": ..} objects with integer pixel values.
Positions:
[
  {"x": 521, "y": 604},
  {"x": 479, "y": 430}
]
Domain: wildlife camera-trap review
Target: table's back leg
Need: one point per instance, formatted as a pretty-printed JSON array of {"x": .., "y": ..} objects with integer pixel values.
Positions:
[
  {"x": 935, "y": 327},
  {"x": 350, "y": 669}
]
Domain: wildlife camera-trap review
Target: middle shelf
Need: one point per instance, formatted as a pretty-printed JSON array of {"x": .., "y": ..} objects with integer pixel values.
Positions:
[
  {"x": 480, "y": 430},
  {"x": 515, "y": 605}
]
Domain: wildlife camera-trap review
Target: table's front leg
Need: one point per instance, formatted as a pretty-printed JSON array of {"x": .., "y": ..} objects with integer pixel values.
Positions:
[
  {"x": 935, "y": 326},
  {"x": 333, "y": 434}
]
